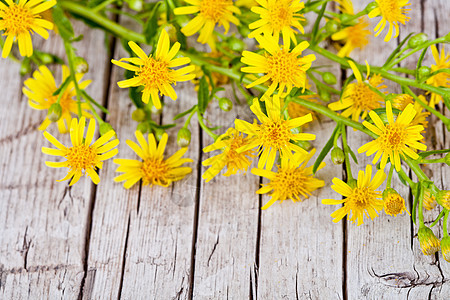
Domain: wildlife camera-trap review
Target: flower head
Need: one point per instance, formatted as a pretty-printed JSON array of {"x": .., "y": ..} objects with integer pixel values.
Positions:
[
  {"x": 153, "y": 169},
  {"x": 445, "y": 248},
  {"x": 209, "y": 13},
  {"x": 156, "y": 73},
  {"x": 274, "y": 134},
  {"x": 395, "y": 139},
  {"x": 40, "y": 88},
  {"x": 429, "y": 200},
  {"x": 19, "y": 20},
  {"x": 441, "y": 79},
  {"x": 401, "y": 101},
  {"x": 82, "y": 158},
  {"x": 394, "y": 204},
  {"x": 359, "y": 200},
  {"x": 360, "y": 97},
  {"x": 278, "y": 17},
  {"x": 443, "y": 197},
  {"x": 284, "y": 68},
  {"x": 429, "y": 243},
  {"x": 392, "y": 12},
  {"x": 235, "y": 162},
  {"x": 292, "y": 179}
]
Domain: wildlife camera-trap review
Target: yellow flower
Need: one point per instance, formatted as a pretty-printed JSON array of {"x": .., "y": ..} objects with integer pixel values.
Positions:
[
  {"x": 360, "y": 200},
  {"x": 443, "y": 198},
  {"x": 292, "y": 179},
  {"x": 40, "y": 89},
  {"x": 156, "y": 74},
  {"x": 445, "y": 247},
  {"x": 19, "y": 20},
  {"x": 209, "y": 13},
  {"x": 82, "y": 157},
  {"x": 394, "y": 204},
  {"x": 235, "y": 162},
  {"x": 394, "y": 138},
  {"x": 429, "y": 200},
  {"x": 283, "y": 67},
  {"x": 392, "y": 12},
  {"x": 441, "y": 79},
  {"x": 278, "y": 17},
  {"x": 274, "y": 134},
  {"x": 359, "y": 97},
  {"x": 429, "y": 243},
  {"x": 153, "y": 169},
  {"x": 401, "y": 101},
  {"x": 296, "y": 110}
]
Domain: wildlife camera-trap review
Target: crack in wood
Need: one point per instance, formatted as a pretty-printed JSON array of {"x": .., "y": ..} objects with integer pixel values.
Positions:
[
  {"x": 213, "y": 250},
  {"x": 124, "y": 258},
  {"x": 30, "y": 129}
]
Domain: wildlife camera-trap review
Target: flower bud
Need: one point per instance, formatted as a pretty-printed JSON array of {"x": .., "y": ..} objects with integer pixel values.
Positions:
[
  {"x": 337, "y": 156},
  {"x": 54, "y": 112},
  {"x": 46, "y": 58},
  {"x": 429, "y": 243},
  {"x": 105, "y": 128},
  {"x": 236, "y": 44},
  {"x": 371, "y": 6},
  {"x": 417, "y": 40},
  {"x": 394, "y": 204},
  {"x": 143, "y": 127},
  {"x": 424, "y": 71},
  {"x": 138, "y": 115},
  {"x": 443, "y": 198},
  {"x": 244, "y": 30},
  {"x": 324, "y": 95},
  {"x": 429, "y": 200},
  {"x": 447, "y": 159},
  {"x": 184, "y": 137},
  {"x": 136, "y": 5},
  {"x": 329, "y": 78},
  {"x": 332, "y": 26},
  {"x": 81, "y": 65},
  {"x": 159, "y": 133},
  {"x": 25, "y": 67},
  {"x": 445, "y": 248},
  {"x": 225, "y": 104},
  {"x": 348, "y": 19}
]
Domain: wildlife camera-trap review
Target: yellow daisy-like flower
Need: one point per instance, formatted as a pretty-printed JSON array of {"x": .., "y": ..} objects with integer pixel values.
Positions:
[
  {"x": 401, "y": 102},
  {"x": 235, "y": 162},
  {"x": 358, "y": 97},
  {"x": 441, "y": 79},
  {"x": 394, "y": 204},
  {"x": 156, "y": 73},
  {"x": 40, "y": 89},
  {"x": 283, "y": 67},
  {"x": 429, "y": 200},
  {"x": 392, "y": 12},
  {"x": 429, "y": 243},
  {"x": 278, "y": 17},
  {"x": 444, "y": 198},
  {"x": 292, "y": 179},
  {"x": 153, "y": 169},
  {"x": 209, "y": 13},
  {"x": 82, "y": 158},
  {"x": 360, "y": 200},
  {"x": 395, "y": 139},
  {"x": 19, "y": 20},
  {"x": 274, "y": 134}
]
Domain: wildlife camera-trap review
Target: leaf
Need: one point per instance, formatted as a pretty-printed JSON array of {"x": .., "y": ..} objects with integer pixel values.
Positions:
[
  {"x": 326, "y": 149},
  {"x": 203, "y": 95},
  {"x": 315, "y": 29},
  {"x": 151, "y": 26},
  {"x": 352, "y": 154},
  {"x": 62, "y": 23},
  {"x": 180, "y": 115},
  {"x": 63, "y": 85}
]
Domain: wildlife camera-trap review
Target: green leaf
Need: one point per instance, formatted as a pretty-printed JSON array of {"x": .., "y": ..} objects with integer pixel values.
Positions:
[
  {"x": 419, "y": 62},
  {"x": 151, "y": 26},
  {"x": 203, "y": 95},
  {"x": 62, "y": 23},
  {"x": 63, "y": 85},
  {"x": 352, "y": 154},
  {"x": 180, "y": 115},
  {"x": 315, "y": 29},
  {"x": 326, "y": 149}
]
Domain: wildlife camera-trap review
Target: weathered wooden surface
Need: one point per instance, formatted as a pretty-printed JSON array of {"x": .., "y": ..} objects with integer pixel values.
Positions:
[{"x": 196, "y": 240}]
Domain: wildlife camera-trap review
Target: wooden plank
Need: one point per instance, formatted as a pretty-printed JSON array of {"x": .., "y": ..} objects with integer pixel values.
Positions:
[
  {"x": 225, "y": 257},
  {"x": 43, "y": 231}
]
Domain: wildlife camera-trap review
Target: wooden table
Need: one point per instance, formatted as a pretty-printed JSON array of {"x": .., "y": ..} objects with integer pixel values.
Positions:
[{"x": 193, "y": 239}]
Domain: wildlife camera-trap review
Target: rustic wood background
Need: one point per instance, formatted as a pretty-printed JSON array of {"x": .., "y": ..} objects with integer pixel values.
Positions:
[{"x": 197, "y": 240}]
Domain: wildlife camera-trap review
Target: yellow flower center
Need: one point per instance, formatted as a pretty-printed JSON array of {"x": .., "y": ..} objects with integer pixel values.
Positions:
[
  {"x": 357, "y": 35},
  {"x": 394, "y": 204},
  {"x": 214, "y": 9},
  {"x": 361, "y": 198},
  {"x": 290, "y": 182},
  {"x": 275, "y": 134},
  {"x": 364, "y": 99},
  {"x": 82, "y": 157},
  {"x": 154, "y": 73},
  {"x": 17, "y": 19},
  {"x": 392, "y": 11},
  {"x": 280, "y": 15},
  {"x": 155, "y": 170},
  {"x": 237, "y": 161},
  {"x": 393, "y": 138},
  {"x": 283, "y": 66}
]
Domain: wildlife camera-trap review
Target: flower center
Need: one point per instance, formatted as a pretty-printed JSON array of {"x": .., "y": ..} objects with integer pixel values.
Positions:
[
  {"x": 362, "y": 197},
  {"x": 283, "y": 66},
  {"x": 290, "y": 182},
  {"x": 154, "y": 170},
  {"x": 393, "y": 204},
  {"x": 66, "y": 101},
  {"x": 393, "y": 138},
  {"x": 82, "y": 157},
  {"x": 357, "y": 35},
  {"x": 392, "y": 11},
  {"x": 154, "y": 73},
  {"x": 214, "y": 9},
  {"x": 364, "y": 98},
  {"x": 280, "y": 15},
  {"x": 17, "y": 19},
  {"x": 275, "y": 134}
]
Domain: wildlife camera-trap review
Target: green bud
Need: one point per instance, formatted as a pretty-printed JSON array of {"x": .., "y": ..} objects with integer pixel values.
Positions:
[
  {"x": 324, "y": 95},
  {"x": 332, "y": 26},
  {"x": 138, "y": 115},
  {"x": 304, "y": 144},
  {"x": 81, "y": 65},
  {"x": 225, "y": 104},
  {"x": 136, "y": 5},
  {"x": 348, "y": 19},
  {"x": 105, "y": 128},
  {"x": 143, "y": 127},
  {"x": 159, "y": 133},
  {"x": 54, "y": 112},
  {"x": 184, "y": 137},
  {"x": 424, "y": 71},
  {"x": 329, "y": 78},
  {"x": 371, "y": 6},
  {"x": 25, "y": 67},
  {"x": 445, "y": 248},
  {"x": 236, "y": 44},
  {"x": 447, "y": 159},
  {"x": 417, "y": 40},
  {"x": 244, "y": 30},
  {"x": 429, "y": 243},
  {"x": 46, "y": 58},
  {"x": 337, "y": 156}
]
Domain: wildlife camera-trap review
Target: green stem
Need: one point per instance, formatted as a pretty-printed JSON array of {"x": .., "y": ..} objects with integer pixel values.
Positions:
[
  {"x": 102, "y": 5},
  {"x": 444, "y": 227},
  {"x": 389, "y": 179},
  {"x": 71, "y": 57},
  {"x": 421, "y": 222},
  {"x": 204, "y": 127},
  {"x": 94, "y": 112},
  {"x": 432, "y": 161},
  {"x": 188, "y": 121}
]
